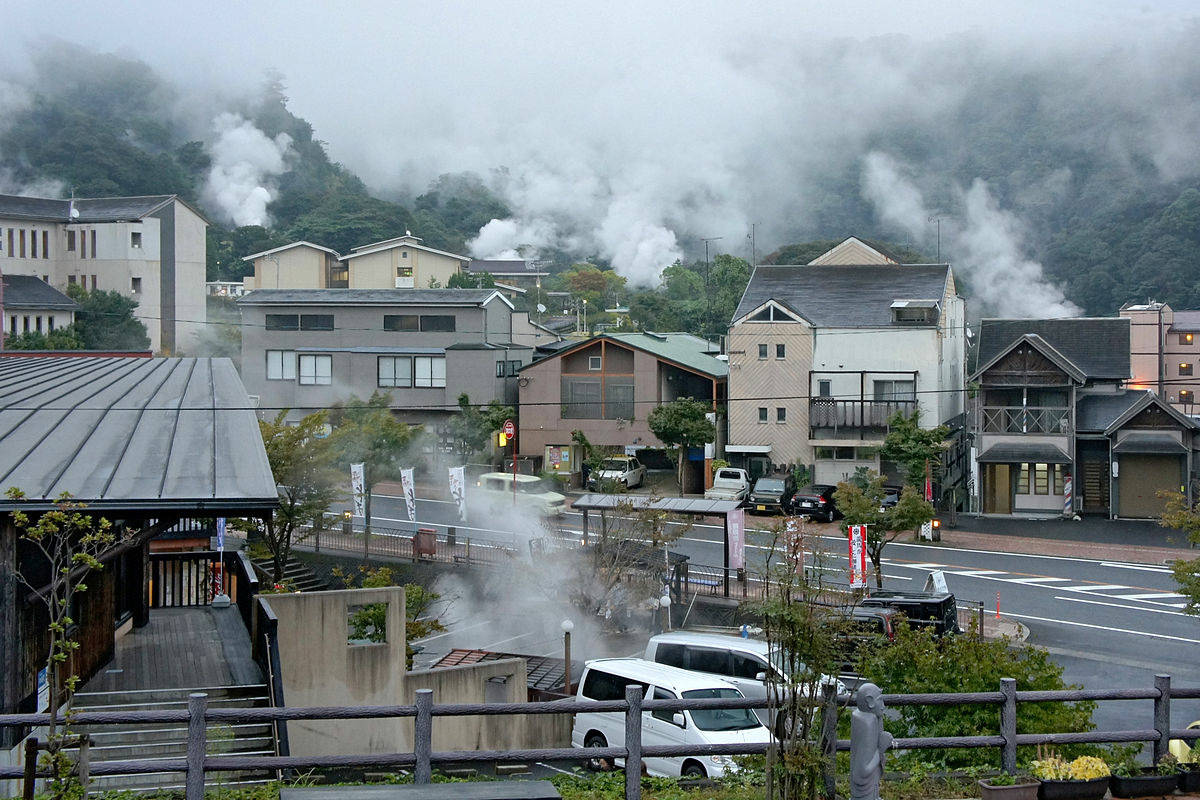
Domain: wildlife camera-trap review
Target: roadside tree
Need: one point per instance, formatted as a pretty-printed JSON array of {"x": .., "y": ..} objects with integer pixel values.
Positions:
[
  {"x": 105, "y": 320},
  {"x": 914, "y": 447},
  {"x": 473, "y": 426},
  {"x": 864, "y": 506},
  {"x": 682, "y": 423},
  {"x": 365, "y": 432},
  {"x": 1178, "y": 514}
]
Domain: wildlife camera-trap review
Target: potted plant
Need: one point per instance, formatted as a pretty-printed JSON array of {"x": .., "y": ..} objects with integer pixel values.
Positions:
[
  {"x": 1130, "y": 779},
  {"x": 1085, "y": 778},
  {"x": 1006, "y": 786}
]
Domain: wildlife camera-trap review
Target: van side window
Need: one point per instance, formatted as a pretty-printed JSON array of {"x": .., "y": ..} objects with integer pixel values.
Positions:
[
  {"x": 748, "y": 666},
  {"x": 495, "y": 484},
  {"x": 662, "y": 713},
  {"x": 704, "y": 660},
  {"x": 672, "y": 654},
  {"x": 601, "y": 685}
]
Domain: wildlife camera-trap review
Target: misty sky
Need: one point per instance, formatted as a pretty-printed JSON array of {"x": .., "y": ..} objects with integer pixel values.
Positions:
[{"x": 629, "y": 130}]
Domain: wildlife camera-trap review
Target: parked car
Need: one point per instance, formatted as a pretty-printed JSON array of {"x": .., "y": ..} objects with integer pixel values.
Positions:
[
  {"x": 729, "y": 483},
  {"x": 891, "y": 496},
  {"x": 816, "y": 501},
  {"x": 936, "y": 609},
  {"x": 772, "y": 494},
  {"x": 494, "y": 492},
  {"x": 606, "y": 679},
  {"x": 861, "y": 627},
  {"x": 625, "y": 471}
]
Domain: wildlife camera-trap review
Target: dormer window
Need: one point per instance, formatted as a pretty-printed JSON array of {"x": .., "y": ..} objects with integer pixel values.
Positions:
[{"x": 914, "y": 312}]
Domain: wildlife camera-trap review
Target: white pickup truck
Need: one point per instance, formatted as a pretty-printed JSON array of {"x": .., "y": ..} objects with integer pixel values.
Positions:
[{"x": 729, "y": 483}]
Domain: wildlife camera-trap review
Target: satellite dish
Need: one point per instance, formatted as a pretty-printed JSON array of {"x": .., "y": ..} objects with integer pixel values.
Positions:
[{"x": 541, "y": 308}]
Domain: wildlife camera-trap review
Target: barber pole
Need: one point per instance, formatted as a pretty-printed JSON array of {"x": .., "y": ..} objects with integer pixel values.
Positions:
[{"x": 1068, "y": 502}]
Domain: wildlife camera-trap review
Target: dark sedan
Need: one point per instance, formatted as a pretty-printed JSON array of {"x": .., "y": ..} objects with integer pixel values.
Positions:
[{"x": 816, "y": 501}]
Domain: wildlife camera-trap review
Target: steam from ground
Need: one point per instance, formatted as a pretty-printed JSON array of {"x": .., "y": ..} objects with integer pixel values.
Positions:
[
  {"x": 986, "y": 238},
  {"x": 245, "y": 162}
]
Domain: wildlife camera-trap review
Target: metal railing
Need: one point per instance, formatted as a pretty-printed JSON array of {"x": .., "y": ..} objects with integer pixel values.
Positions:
[
  {"x": 443, "y": 546},
  {"x": 854, "y": 417},
  {"x": 197, "y": 764},
  {"x": 1026, "y": 419}
]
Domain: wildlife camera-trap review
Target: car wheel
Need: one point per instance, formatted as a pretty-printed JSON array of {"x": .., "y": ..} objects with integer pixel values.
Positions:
[
  {"x": 693, "y": 770},
  {"x": 597, "y": 764}
]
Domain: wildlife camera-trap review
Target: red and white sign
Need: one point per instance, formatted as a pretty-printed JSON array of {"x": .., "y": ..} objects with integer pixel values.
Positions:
[
  {"x": 858, "y": 556},
  {"x": 510, "y": 428},
  {"x": 737, "y": 539}
]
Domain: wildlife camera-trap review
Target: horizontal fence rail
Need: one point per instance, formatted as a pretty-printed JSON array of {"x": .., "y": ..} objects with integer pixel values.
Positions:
[{"x": 421, "y": 759}]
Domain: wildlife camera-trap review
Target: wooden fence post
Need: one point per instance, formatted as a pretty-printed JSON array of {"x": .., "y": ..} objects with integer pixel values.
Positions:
[
  {"x": 423, "y": 737},
  {"x": 1008, "y": 725},
  {"x": 829, "y": 738},
  {"x": 1162, "y": 715},
  {"x": 633, "y": 742},
  {"x": 196, "y": 745}
]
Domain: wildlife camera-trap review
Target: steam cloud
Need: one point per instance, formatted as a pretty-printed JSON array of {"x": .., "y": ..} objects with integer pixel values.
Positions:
[
  {"x": 245, "y": 161},
  {"x": 987, "y": 241}
]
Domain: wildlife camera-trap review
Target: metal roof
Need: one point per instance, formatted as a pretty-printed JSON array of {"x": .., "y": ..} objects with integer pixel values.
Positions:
[
  {"x": 382, "y": 297},
  {"x": 1024, "y": 452},
  {"x": 29, "y": 291},
  {"x": 132, "y": 433},
  {"x": 542, "y": 672},
  {"x": 86, "y": 209},
  {"x": 682, "y": 349},
  {"x": 1155, "y": 443},
  {"x": 1098, "y": 346},
  {"x": 676, "y": 505}
]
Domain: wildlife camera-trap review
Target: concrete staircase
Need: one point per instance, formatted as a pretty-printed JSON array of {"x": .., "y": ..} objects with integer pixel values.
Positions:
[
  {"x": 300, "y": 576},
  {"x": 156, "y": 741}
]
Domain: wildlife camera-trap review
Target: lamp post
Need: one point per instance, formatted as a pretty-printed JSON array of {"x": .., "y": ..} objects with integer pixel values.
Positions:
[
  {"x": 567, "y": 626},
  {"x": 664, "y": 603},
  {"x": 585, "y": 327}
]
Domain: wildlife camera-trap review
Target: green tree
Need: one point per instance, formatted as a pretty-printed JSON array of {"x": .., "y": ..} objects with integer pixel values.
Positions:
[
  {"x": 1181, "y": 516},
  {"x": 367, "y": 433},
  {"x": 301, "y": 458},
  {"x": 67, "y": 338},
  {"x": 105, "y": 320},
  {"x": 863, "y": 505},
  {"x": 473, "y": 426},
  {"x": 682, "y": 423},
  {"x": 369, "y": 623},
  {"x": 471, "y": 280},
  {"x": 913, "y": 447}
]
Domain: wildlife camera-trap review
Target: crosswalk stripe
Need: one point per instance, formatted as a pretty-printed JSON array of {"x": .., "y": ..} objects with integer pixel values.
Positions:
[
  {"x": 1041, "y": 580},
  {"x": 975, "y": 573},
  {"x": 1161, "y": 595}
]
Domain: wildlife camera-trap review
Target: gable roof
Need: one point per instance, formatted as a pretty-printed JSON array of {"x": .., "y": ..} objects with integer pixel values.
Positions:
[
  {"x": 274, "y": 250},
  {"x": 853, "y": 296},
  {"x": 29, "y": 291},
  {"x": 407, "y": 240},
  {"x": 1045, "y": 348},
  {"x": 1105, "y": 413},
  {"x": 87, "y": 209},
  {"x": 682, "y": 349},
  {"x": 853, "y": 250},
  {"x": 132, "y": 433},
  {"x": 372, "y": 297},
  {"x": 1097, "y": 346}
]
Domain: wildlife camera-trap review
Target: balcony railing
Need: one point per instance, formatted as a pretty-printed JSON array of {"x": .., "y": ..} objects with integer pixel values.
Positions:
[
  {"x": 853, "y": 418},
  {"x": 1026, "y": 419}
]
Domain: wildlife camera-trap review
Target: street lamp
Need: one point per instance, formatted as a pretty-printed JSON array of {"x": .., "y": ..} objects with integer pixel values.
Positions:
[
  {"x": 664, "y": 603},
  {"x": 567, "y": 626},
  {"x": 585, "y": 327}
]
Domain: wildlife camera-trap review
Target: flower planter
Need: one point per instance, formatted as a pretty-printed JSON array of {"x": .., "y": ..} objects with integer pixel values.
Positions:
[
  {"x": 1189, "y": 780},
  {"x": 1149, "y": 784},
  {"x": 1017, "y": 791},
  {"x": 1073, "y": 790}
]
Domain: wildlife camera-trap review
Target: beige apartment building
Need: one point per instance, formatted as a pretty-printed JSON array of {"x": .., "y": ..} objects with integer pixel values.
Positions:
[{"x": 1164, "y": 348}]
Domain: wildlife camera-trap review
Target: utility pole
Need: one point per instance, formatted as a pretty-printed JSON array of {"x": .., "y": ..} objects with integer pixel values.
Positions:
[{"x": 707, "y": 283}]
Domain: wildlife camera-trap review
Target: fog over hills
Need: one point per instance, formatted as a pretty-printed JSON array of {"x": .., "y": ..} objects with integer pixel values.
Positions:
[{"x": 1047, "y": 150}]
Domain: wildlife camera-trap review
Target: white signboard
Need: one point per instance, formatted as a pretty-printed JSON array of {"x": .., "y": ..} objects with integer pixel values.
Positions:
[
  {"x": 458, "y": 490},
  {"x": 737, "y": 538},
  {"x": 858, "y": 556},
  {"x": 410, "y": 494},
  {"x": 358, "y": 489},
  {"x": 43, "y": 701}
]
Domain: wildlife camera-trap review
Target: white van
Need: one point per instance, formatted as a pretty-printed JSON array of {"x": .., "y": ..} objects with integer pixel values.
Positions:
[
  {"x": 606, "y": 679},
  {"x": 494, "y": 491},
  {"x": 745, "y": 663}
]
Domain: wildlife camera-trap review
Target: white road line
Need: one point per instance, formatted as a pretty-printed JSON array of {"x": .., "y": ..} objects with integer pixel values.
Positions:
[
  {"x": 1139, "y": 567},
  {"x": 1105, "y": 628},
  {"x": 1121, "y": 605},
  {"x": 504, "y": 641},
  {"x": 1041, "y": 580},
  {"x": 452, "y": 632},
  {"x": 1101, "y": 587},
  {"x": 556, "y": 769},
  {"x": 976, "y": 573},
  {"x": 1160, "y": 596}
]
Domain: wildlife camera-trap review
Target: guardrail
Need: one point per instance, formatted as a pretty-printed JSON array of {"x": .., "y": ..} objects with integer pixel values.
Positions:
[
  {"x": 421, "y": 759},
  {"x": 442, "y": 546}
]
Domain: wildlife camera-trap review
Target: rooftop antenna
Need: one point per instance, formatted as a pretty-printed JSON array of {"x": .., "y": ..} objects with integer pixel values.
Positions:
[{"x": 72, "y": 211}]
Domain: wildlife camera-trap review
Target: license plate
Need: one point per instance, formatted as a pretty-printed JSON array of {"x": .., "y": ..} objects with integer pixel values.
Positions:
[
  {"x": 806, "y": 504},
  {"x": 761, "y": 508}
]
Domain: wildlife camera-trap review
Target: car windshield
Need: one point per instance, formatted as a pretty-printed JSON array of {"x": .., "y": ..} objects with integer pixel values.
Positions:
[
  {"x": 788, "y": 664},
  {"x": 614, "y": 465},
  {"x": 722, "y": 719},
  {"x": 769, "y": 485},
  {"x": 533, "y": 487}
]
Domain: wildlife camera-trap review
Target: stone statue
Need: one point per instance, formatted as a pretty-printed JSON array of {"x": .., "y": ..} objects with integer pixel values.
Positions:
[{"x": 868, "y": 744}]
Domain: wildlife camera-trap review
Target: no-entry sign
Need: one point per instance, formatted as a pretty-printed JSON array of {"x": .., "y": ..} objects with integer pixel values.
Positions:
[{"x": 510, "y": 428}]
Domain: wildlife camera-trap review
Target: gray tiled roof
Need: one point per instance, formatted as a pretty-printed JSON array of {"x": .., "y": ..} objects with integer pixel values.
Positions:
[
  {"x": 147, "y": 434},
  {"x": 857, "y": 296},
  {"x": 30, "y": 291},
  {"x": 1095, "y": 412},
  {"x": 1099, "y": 346},
  {"x": 389, "y": 297},
  {"x": 90, "y": 209}
]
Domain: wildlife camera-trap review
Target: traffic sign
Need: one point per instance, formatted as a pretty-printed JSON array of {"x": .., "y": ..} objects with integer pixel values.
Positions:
[{"x": 510, "y": 429}]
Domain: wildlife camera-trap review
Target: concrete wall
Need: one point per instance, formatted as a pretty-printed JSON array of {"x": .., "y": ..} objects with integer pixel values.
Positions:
[
  {"x": 378, "y": 270},
  {"x": 298, "y": 268}
]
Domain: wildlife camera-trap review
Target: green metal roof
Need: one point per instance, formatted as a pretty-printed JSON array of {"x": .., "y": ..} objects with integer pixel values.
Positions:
[{"x": 684, "y": 349}]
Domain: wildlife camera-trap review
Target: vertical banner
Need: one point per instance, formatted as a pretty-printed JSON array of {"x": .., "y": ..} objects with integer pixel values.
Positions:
[
  {"x": 737, "y": 539},
  {"x": 795, "y": 542},
  {"x": 458, "y": 490},
  {"x": 357, "y": 489},
  {"x": 858, "y": 556},
  {"x": 410, "y": 494},
  {"x": 220, "y": 587}
]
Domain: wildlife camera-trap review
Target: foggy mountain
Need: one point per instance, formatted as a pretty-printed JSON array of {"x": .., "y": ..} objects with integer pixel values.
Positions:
[{"x": 1057, "y": 180}]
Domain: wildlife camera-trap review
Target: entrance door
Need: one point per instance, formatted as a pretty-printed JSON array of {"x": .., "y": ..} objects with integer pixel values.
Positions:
[
  {"x": 1095, "y": 487},
  {"x": 997, "y": 489}
]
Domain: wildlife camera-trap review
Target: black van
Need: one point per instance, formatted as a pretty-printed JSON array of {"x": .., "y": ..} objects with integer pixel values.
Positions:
[{"x": 938, "y": 610}]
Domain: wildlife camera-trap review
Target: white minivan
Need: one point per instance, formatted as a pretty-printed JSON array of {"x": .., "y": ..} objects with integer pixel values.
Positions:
[
  {"x": 494, "y": 492},
  {"x": 606, "y": 679}
]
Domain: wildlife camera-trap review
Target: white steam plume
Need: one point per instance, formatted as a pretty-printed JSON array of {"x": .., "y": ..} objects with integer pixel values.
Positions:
[
  {"x": 986, "y": 241},
  {"x": 245, "y": 162}
]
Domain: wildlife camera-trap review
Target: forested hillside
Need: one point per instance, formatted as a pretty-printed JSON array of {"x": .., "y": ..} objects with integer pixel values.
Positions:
[{"x": 1108, "y": 224}]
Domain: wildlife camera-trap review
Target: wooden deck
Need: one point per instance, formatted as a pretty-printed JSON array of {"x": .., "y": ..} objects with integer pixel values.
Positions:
[{"x": 181, "y": 648}]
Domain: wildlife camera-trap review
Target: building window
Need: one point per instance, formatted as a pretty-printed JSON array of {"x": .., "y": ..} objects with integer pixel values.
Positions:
[
  {"x": 316, "y": 370},
  {"x": 1060, "y": 476},
  {"x": 395, "y": 372},
  {"x": 1041, "y": 479},
  {"x": 895, "y": 391},
  {"x": 500, "y": 367},
  {"x": 1185, "y": 368},
  {"x": 781, "y": 414},
  {"x": 33, "y": 244},
  {"x": 1185, "y": 338},
  {"x": 10, "y": 242},
  {"x": 316, "y": 322},
  {"x": 93, "y": 244},
  {"x": 762, "y": 352},
  {"x": 70, "y": 241},
  {"x": 22, "y": 240},
  {"x": 281, "y": 365},
  {"x": 45, "y": 244},
  {"x": 404, "y": 272},
  {"x": 71, "y": 279},
  {"x": 135, "y": 284},
  {"x": 401, "y": 322},
  {"x": 1023, "y": 479},
  {"x": 825, "y": 388},
  {"x": 581, "y": 398},
  {"x": 429, "y": 372},
  {"x": 437, "y": 323},
  {"x": 83, "y": 244},
  {"x": 594, "y": 363},
  {"x": 93, "y": 280},
  {"x": 762, "y": 413},
  {"x": 780, "y": 351},
  {"x": 283, "y": 322},
  {"x": 514, "y": 366},
  {"x": 135, "y": 239},
  {"x": 1185, "y": 396}
]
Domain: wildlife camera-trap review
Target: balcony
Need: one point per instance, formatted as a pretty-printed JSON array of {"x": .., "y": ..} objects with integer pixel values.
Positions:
[
  {"x": 404, "y": 282},
  {"x": 1027, "y": 419},
  {"x": 853, "y": 419}
]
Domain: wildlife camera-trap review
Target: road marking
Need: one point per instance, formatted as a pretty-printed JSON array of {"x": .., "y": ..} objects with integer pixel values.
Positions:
[
  {"x": 1140, "y": 567},
  {"x": 975, "y": 573},
  {"x": 1101, "y": 587},
  {"x": 556, "y": 769},
  {"x": 503, "y": 641},
  {"x": 1131, "y": 608},
  {"x": 1033, "y": 581},
  {"x": 1105, "y": 628},
  {"x": 1160, "y": 596},
  {"x": 450, "y": 632}
]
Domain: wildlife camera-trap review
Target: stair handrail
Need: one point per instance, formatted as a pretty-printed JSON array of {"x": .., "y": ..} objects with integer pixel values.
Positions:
[{"x": 268, "y": 629}]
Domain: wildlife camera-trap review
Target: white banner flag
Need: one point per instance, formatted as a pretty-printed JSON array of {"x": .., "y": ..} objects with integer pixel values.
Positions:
[
  {"x": 858, "y": 556},
  {"x": 737, "y": 539},
  {"x": 410, "y": 495},
  {"x": 358, "y": 482},
  {"x": 458, "y": 490}
]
